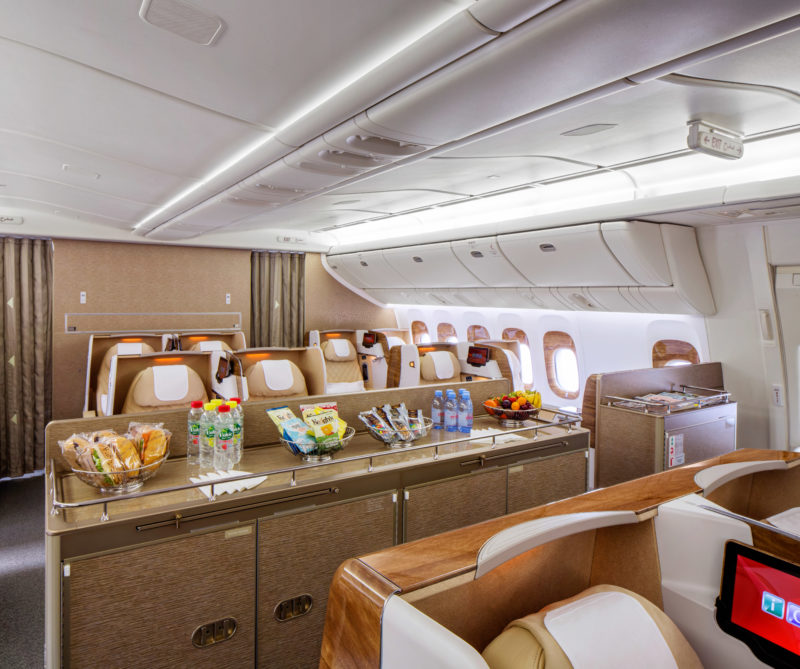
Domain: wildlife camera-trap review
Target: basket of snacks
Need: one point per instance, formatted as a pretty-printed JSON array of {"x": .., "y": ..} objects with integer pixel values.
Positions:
[
  {"x": 514, "y": 409},
  {"x": 317, "y": 435},
  {"x": 396, "y": 426},
  {"x": 117, "y": 463}
]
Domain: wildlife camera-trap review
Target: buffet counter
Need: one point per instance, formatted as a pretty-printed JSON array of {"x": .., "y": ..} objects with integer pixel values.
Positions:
[{"x": 206, "y": 573}]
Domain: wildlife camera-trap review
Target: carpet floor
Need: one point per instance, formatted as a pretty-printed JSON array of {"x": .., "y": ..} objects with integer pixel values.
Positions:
[{"x": 22, "y": 572}]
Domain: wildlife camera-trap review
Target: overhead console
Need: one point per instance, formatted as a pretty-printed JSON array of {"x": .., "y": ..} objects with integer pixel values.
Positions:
[{"x": 628, "y": 266}]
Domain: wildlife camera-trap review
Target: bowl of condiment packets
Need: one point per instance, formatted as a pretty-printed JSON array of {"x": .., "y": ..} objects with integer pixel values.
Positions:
[{"x": 395, "y": 426}]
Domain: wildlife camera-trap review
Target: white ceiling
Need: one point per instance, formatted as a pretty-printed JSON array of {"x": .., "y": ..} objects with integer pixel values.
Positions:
[{"x": 113, "y": 128}]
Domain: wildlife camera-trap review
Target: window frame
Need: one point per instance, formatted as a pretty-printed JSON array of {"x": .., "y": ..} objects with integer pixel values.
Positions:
[
  {"x": 552, "y": 341},
  {"x": 472, "y": 331},
  {"x": 440, "y": 327},
  {"x": 418, "y": 330},
  {"x": 666, "y": 350},
  {"x": 519, "y": 335}
]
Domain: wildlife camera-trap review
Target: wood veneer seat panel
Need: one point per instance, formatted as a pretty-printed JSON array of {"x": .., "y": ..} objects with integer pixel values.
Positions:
[{"x": 417, "y": 564}]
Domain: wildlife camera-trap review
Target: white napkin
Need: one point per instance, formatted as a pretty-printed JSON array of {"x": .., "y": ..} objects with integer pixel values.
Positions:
[
  {"x": 484, "y": 436},
  {"x": 229, "y": 486},
  {"x": 788, "y": 521}
]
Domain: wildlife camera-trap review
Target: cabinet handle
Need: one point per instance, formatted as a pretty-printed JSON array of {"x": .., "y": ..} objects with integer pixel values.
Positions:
[
  {"x": 178, "y": 519},
  {"x": 481, "y": 460}
]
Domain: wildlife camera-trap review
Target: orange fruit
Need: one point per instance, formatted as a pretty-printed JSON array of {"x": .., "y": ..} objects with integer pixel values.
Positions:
[
  {"x": 514, "y": 406},
  {"x": 491, "y": 403}
]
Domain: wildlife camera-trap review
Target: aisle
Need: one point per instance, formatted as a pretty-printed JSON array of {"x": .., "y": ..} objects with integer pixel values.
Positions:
[{"x": 22, "y": 572}]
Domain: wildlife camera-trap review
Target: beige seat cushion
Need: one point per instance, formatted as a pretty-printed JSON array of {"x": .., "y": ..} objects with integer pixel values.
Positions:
[
  {"x": 527, "y": 644},
  {"x": 122, "y": 348},
  {"x": 164, "y": 387},
  {"x": 211, "y": 345},
  {"x": 338, "y": 350},
  {"x": 275, "y": 378},
  {"x": 439, "y": 367}
]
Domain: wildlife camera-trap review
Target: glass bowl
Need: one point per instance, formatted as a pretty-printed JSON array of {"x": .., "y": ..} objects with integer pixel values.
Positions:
[
  {"x": 394, "y": 439},
  {"x": 509, "y": 417},
  {"x": 319, "y": 452},
  {"x": 120, "y": 481}
]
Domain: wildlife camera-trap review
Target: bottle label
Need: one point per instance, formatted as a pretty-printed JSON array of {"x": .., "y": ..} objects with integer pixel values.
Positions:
[
  {"x": 237, "y": 428},
  {"x": 194, "y": 429},
  {"x": 226, "y": 434}
]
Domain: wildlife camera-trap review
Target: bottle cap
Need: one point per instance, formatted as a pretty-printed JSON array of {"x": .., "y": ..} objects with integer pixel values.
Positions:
[
  {"x": 223, "y": 408},
  {"x": 209, "y": 406},
  {"x": 438, "y": 393},
  {"x": 238, "y": 400},
  {"x": 197, "y": 404},
  {"x": 232, "y": 404}
]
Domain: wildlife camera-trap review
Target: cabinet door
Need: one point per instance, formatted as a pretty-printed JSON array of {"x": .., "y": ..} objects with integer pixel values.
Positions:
[
  {"x": 546, "y": 480},
  {"x": 298, "y": 555},
  {"x": 140, "y": 607},
  {"x": 439, "y": 507}
]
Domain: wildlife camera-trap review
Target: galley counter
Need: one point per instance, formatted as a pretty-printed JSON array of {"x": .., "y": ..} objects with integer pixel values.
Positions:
[{"x": 173, "y": 578}]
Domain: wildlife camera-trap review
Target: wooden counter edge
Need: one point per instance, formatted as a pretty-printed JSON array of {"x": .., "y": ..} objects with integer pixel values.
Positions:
[
  {"x": 353, "y": 618},
  {"x": 421, "y": 563}
]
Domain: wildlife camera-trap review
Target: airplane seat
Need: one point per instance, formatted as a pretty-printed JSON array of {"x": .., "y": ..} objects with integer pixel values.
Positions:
[
  {"x": 343, "y": 373},
  {"x": 403, "y": 367},
  {"x": 211, "y": 345},
  {"x": 439, "y": 367},
  {"x": 603, "y": 626},
  {"x": 589, "y": 406},
  {"x": 394, "y": 341},
  {"x": 103, "y": 374},
  {"x": 275, "y": 378},
  {"x": 164, "y": 387}
]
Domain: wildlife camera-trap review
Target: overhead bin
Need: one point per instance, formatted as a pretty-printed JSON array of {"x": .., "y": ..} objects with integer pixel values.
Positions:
[
  {"x": 483, "y": 258},
  {"x": 572, "y": 268},
  {"x": 367, "y": 270},
  {"x": 430, "y": 265},
  {"x": 575, "y": 256},
  {"x": 572, "y": 48}
]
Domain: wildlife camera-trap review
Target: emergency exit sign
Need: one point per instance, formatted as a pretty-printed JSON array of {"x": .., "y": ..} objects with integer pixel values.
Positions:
[{"x": 714, "y": 142}]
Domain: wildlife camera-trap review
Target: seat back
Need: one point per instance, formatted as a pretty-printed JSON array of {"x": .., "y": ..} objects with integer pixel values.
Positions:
[
  {"x": 342, "y": 371},
  {"x": 275, "y": 378},
  {"x": 603, "y": 626},
  {"x": 164, "y": 387},
  {"x": 210, "y": 345},
  {"x": 103, "y": 391},
  {"x": 439, "y": 367}
]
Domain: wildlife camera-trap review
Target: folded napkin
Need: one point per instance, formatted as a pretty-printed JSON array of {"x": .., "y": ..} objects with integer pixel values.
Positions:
[
  {"x": 788, "y": 521},
  {"x": 229, "y": 486}
]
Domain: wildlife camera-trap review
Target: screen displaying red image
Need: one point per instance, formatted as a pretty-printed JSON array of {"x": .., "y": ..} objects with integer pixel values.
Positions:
[
  {"x": 477, "y": 356},
  {"x": 766, "y": 602},
  {"x": 368, "y": 339}
]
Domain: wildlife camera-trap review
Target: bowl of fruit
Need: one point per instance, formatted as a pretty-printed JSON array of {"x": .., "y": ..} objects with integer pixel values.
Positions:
[{"x": 515, "y": 408}]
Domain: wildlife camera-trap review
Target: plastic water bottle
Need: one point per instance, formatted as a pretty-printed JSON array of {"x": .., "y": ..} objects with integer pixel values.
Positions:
[
  {"x": 437, "y": 410},
  {"x": 464, "y": 412},
  {"x": 238, "y": 433},
  {"x": 193, "y": 436},
  {"x": 223, "y": 442},
  {"x": 207, "y": 433},
  {"x": 450, "y": 412}
]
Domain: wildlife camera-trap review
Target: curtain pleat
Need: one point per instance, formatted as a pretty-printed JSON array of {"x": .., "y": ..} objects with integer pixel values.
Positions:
[
  {"x": 277, "y": 283},
  {"x": 25, "y": 373}
]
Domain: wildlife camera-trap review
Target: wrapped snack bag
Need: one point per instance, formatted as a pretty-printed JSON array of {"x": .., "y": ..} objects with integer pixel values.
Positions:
[
  {"x": 127, "y": 454},
  {"x": 74, "y": 448},
  {"x": 150, "y": 439},
  {"x": 398, "y": 422},
  {"x": 374, "y": 421},
  {"x": 280, "y": 415},
  {"x": 101, "y": 458},
  {"x": 295, "y": 431},
  {"x": 325, "y": 425},
  {"x": 308, "y": 409}
]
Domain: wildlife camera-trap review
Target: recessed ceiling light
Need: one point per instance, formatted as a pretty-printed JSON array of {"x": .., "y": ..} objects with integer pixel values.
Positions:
[{"x": 592, "y": 129}]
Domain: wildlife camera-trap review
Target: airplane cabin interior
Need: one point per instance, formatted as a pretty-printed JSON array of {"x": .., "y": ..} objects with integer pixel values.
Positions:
[{"x": 445, "y": 333}]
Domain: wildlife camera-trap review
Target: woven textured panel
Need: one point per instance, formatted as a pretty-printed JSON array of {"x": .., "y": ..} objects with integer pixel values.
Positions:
[
  {"x": 298, "y": 554},
  {"x": 546, "y": 481}
]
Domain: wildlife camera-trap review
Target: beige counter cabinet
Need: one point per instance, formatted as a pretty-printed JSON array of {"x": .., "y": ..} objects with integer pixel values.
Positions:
[
  {"x": 546, "y": 480},
  {"x": 297, "y": 557},
  {"x": 140, "y": 607}
]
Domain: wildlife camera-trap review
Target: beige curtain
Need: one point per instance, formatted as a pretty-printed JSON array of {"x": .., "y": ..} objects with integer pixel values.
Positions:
[
  {"x": 26, "y": 278},
  {"x": 277, "y": 287}
]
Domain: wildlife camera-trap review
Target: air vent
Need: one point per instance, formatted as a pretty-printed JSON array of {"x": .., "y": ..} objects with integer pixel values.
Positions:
[
  {"x": 182, "y": 19},
  {"x": 345, "y": 159},
  {"x": 547, "y": 248},
  {"x": 380, "y": 145},
  {"x": 417, "y": 259},
  {"x": 364, "y": 264},
  {"x": 476, "y": 254}
]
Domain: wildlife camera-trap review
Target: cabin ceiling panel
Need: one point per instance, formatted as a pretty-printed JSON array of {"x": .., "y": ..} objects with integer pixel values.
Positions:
[
  {"x": 271, "y": 61},
  {"x": 59, "y": 195},
  {"x": 53, "y": 99},
  {"x": 23, "y": 154}
]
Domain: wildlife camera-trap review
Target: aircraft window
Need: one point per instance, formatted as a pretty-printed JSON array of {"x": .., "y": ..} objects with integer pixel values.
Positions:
[
  {"x": 477, "y": 332},
  {"x": 561, "y": 362},
  {"x": 671, "y": 352},
  {"x": 446, "y": 332},
  {"x": 420, "y": 332},
  {"x": 526, "y": 363}
]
